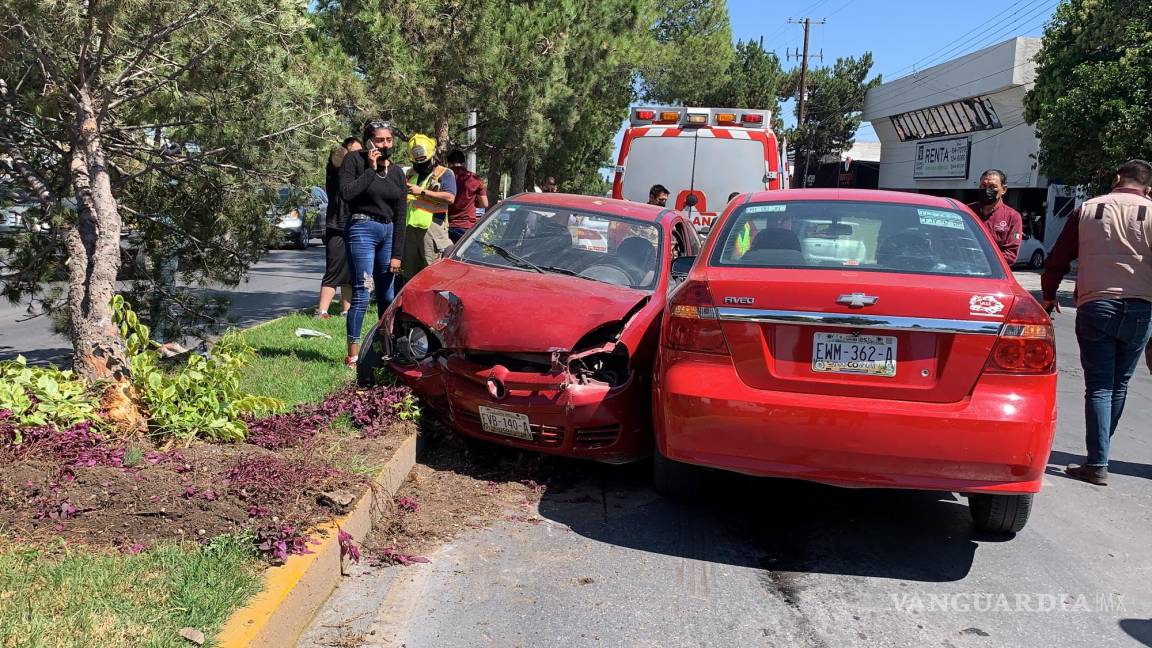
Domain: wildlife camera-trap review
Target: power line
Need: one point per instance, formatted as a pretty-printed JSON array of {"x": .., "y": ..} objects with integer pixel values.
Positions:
[
  {"x": 1000, "y": 34},
  {"x": 960, "y": 39},
  {"x": 923, "y": 81}
]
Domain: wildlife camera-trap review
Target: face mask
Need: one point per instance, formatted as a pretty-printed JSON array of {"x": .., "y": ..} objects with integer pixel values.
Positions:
[
  {"x": 988, "y": 195},
  {"x": 423, "y": 167},
  {"x": 385, "y": 152}
]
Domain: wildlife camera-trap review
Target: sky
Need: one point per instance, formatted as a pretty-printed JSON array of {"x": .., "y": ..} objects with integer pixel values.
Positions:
[{"x": 899, "y": 33}]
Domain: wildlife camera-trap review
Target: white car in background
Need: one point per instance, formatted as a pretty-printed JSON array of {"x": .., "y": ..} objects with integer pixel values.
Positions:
[
  {"x": 299, "y": 214},
  {"x": 1033, "y": 253},
  {"x": 13, "y": 220}
]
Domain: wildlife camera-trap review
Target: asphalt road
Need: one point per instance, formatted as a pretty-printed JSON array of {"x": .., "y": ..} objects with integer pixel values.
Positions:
[
  {"x": 780, "y": 563},
  {"x": 283, "y": 282}
]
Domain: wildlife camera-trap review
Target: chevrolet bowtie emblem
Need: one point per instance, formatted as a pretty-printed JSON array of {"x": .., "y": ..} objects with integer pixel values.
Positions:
[{"x": 856, "y": 300}]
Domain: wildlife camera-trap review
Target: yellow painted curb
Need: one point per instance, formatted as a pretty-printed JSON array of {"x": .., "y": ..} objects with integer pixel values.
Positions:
[{"x": 294, "y": 591}]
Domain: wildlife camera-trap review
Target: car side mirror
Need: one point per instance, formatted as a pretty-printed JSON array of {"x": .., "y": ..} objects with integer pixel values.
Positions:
[{"x": 681, "y": 265}]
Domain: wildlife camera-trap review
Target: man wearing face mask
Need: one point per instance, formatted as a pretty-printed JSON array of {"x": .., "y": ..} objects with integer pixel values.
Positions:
[
  {"x": 431, "y": 192},
  {"x": 1002, "y": 221}
]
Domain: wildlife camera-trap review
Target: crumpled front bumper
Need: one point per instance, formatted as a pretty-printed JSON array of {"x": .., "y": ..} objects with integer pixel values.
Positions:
[{"x": 592, "y": 421}]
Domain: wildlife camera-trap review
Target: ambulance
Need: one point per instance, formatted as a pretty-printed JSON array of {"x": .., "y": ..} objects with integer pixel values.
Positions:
[{"x": 701, "y": 155}]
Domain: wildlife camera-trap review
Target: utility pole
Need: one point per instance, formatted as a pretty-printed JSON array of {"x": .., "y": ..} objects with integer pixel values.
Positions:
[{"x": 802, "y": 93}]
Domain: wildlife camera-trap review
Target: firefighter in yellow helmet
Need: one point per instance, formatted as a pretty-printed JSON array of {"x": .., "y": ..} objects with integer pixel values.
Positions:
[{"x": 431, "y": 191}]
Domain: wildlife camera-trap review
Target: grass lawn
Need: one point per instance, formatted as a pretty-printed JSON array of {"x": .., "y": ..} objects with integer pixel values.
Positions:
[
  {"x": 83, "y": 599},
  {"x": 296, "y": 369}
]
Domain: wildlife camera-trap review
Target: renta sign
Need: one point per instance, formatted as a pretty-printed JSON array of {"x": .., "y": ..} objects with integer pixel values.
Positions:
[{"x": 943, "y": 159}]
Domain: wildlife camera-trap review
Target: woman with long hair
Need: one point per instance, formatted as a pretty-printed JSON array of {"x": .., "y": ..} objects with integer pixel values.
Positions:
[{"x": 375, "y": 191}]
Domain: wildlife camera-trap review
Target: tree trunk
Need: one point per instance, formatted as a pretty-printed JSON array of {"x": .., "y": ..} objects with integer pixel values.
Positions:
[
  {"x": 93, "y": 262},
  {"x": 495, "y": 170},
  {"x": 442, "y": 135},
  {"x": 519, "y": 175}
]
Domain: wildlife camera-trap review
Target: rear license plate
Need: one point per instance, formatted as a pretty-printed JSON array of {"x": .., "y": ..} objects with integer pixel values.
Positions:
[
  {"x": 506, "y": 423},
  {"x": 871, "y": 355}
]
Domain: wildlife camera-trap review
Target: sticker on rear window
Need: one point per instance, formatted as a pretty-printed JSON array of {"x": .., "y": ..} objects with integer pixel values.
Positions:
[
  {"x": 937, "y": 218},
  {"x": 757, "y": 209}
]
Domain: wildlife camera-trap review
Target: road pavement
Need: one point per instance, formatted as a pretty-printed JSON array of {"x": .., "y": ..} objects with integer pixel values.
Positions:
[
  {"x": 283, "y": 282},
  {"x": 778, "y": 563}
]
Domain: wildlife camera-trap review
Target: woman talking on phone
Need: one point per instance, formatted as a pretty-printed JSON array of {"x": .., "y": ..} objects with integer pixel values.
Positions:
[{"x": 375, "y": 191}]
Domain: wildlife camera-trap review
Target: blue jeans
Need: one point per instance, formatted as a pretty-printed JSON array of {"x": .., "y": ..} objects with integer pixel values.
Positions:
[
  {"x": 1112, "y": 334},
  {"x": 369, "y": 250},
  {"x": 456, "y": 233}
]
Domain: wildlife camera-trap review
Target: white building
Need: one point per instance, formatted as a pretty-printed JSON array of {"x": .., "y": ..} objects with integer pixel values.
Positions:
[{"x": 943, "y": 126}]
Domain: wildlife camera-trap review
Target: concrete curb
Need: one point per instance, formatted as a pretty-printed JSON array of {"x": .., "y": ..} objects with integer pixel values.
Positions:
[{"x": 295, "y": 591}]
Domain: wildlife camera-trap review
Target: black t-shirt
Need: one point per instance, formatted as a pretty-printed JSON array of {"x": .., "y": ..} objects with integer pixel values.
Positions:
[{"x": 383, "y": 197}]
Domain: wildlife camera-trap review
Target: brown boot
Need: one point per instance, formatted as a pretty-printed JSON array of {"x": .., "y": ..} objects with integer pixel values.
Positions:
[{"x": 1095, "y": 475}]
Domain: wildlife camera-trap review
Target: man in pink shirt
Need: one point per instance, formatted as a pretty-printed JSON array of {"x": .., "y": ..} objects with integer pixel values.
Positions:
[{"x": 1002, "y": 221}]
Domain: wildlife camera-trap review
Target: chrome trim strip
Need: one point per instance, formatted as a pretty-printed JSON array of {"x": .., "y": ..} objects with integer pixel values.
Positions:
[{"x": 854, "y": 321}]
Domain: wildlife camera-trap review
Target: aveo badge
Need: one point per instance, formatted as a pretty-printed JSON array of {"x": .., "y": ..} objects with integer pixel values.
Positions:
[
  {"x": 742, "y": 301},
  {"x": 988, "y": 305}
]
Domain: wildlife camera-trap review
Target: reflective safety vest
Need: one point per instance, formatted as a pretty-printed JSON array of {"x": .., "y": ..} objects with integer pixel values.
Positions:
[
  {"x": 421, "y": 208},
  {"x": 743, "y": 240}
]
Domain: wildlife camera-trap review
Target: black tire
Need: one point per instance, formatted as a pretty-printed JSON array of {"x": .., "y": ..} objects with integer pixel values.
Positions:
[
  {"x": 675, "y": 480},
  {"x": 1000, "y": 513},
  {"x": 1037, "y": 260},
  {"x": 301, "y": 239}
]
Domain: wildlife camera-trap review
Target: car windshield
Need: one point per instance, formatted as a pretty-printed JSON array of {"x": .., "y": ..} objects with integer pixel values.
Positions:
[
  {"x": 539, "y": 238},
  {"x": 888, "y": 237}
]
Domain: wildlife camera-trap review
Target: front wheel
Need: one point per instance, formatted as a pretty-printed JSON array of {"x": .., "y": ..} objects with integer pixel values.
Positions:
[
  {"x": 1000, "y": 513},
  {"x": 675, "y": 480},
  {"x": 1037, "y": 260}
]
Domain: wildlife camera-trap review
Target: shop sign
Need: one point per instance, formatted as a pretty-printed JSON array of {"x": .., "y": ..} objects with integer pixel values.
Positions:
[{"x": 943, "y": 159}]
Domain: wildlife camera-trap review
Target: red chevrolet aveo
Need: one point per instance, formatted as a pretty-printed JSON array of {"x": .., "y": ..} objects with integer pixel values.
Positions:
[{"x": 860, "y": 339}]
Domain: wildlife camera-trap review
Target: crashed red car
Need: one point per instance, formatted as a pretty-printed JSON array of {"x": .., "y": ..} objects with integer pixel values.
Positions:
[{"x": 539, "y": 329}]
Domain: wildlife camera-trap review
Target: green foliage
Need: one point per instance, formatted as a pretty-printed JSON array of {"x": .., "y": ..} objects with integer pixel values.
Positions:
[
  {"x": 1092, "y": 102},
  {"x": 409, "y": 408},
  {"x": 202, "y": 398},
  {"x": 693, "y": 52},
  {"x": 832, "y": 116},
  {"x": 44, "y": 396}
]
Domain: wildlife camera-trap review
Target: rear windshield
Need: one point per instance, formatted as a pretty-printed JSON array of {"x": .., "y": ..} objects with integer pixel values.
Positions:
[{"x": 888, "y": 237}]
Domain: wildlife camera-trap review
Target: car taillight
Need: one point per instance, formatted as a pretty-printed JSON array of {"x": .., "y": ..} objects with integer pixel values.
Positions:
[
  {"x": 1027, "y": 343},
  {"x": 693, "y": 322}
]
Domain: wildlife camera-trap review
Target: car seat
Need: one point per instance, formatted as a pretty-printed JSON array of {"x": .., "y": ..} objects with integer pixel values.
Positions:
[
  {"x": 638, "y": 255},
  {"x": 774, "y": 246},
  {"x": 908, "y": 249}
]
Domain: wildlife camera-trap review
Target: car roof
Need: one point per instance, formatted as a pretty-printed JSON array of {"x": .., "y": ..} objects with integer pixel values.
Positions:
[
  {"x": 859, "y": 195},
  {"x": 626, "y": 208}
]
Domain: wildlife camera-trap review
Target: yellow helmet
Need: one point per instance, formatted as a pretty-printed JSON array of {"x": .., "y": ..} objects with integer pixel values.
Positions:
[{"x": 421, "y": 147}]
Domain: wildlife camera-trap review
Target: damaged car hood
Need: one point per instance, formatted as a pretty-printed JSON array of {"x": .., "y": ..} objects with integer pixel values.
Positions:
[{"x": 512, "y": 310}]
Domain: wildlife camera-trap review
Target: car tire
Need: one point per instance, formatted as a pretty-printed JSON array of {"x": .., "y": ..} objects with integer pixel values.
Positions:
[
  {"x": 1000, "y": 513},
  {"x": 675, "y": 480},
  {"x": 1037, "y": 260},
  {"x": 301, "y": 239}
]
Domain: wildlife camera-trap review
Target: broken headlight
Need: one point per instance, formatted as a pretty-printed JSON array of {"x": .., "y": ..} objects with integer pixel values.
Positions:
[
  {"x": 410, "y": 344},
  {"x": 611, "y": 368}
]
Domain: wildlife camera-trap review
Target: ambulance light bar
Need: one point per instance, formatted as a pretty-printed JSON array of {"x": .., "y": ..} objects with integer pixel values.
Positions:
[{"x": 700, "y": 117}]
